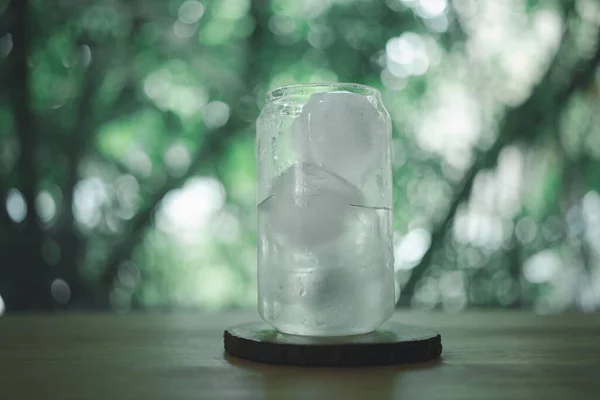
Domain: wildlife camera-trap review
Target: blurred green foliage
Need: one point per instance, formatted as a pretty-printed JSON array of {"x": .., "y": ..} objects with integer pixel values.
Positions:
[{"x": 127, "y": 145}]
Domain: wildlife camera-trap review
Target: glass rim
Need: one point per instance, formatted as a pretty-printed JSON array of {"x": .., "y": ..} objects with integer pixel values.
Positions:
[{"x": 303, "y": 89}]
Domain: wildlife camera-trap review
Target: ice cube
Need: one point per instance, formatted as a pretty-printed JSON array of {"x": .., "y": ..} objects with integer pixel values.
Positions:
[
  {"x": 341, "y": 131},
  {"x": 308, "y": 204},
  {"x": 357, "y": 269}
]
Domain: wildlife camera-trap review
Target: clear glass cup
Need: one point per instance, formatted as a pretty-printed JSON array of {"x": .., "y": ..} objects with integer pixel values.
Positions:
[{"x": 324, "y": 198}]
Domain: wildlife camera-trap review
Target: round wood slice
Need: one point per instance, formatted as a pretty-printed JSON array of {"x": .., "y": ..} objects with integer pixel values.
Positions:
[{"x": 393, "y": 343}]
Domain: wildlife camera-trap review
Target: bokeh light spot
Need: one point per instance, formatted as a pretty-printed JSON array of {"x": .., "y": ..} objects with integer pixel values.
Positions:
[
  {"x": 61, "y": 291},
  {"x": 526, "y": 230},
  {"x": 184, "y": 31},
  {"x": 411, "y": 248},
  {"x": 227, "y": 227},
  {"x": 190, "y": 12},
  {"x": 426, "y": 295},
  {"x": 127, "y": 194},
  {"x": 120, "y": 300},
  {"x": 542, "y": 266},
  {"x": 177, "y": 158},
  {"x": 431, "y": 8},
  {"x": 282, "y": 25},
  {"x": 85, "y": 54},
  {"x": 139, "y": 163},
  {"x": 231, "y": 9},
  {"x": 215, "y": 114},
  {"x": 407, "y": 55},
  {"x": 320, "y": 37},
  {"x": 45, "y": 206},
  {"x": 89, "y": 196},
  {"x": 6, "y": 45},
  {"x": 129, "y": 275},
  {"x": 185, "y": 211},
  {"x": 16, "y": 206},
  {"x": 438, "y": 24}
]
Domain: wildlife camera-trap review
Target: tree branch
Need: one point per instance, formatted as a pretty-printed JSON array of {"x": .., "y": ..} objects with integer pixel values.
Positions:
[
  {"x": 23, "y": 263},
  {"x": 210, "y": 151},
  {"x": 526, "y": 119},
  {"x": 207, "y": 153}
]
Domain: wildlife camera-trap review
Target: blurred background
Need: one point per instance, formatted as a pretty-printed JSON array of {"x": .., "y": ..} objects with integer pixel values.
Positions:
[{"x": 127, "y": 170}]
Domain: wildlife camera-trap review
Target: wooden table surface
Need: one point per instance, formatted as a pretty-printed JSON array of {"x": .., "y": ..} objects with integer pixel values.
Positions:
[{"x": 491, "y": 355}]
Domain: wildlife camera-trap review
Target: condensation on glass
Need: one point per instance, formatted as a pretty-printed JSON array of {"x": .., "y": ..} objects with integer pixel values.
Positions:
[{"x": 324, "y": 198}]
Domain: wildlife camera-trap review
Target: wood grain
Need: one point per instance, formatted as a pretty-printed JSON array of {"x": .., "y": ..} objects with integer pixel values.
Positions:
[{"x": 492, "y": 355}]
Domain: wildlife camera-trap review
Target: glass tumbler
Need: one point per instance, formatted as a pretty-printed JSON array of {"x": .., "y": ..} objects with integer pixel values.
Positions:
[{"x": 324, "y": 198}]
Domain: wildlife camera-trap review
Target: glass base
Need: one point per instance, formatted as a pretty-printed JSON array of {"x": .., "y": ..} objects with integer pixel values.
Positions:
[
  {"x": 300, "y": 331},
  {"x": 292, "y": 327}
]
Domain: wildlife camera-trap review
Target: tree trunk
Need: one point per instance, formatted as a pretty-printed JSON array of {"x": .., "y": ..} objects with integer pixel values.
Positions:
[{"x": 29, "y": 286}]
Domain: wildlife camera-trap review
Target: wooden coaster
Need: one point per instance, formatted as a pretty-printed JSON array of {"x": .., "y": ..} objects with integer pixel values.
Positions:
[{"x": 393, "y": 343}]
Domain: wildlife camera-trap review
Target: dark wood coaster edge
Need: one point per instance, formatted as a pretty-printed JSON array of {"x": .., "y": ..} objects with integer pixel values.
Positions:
[{"x": 342, "y": 355}]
